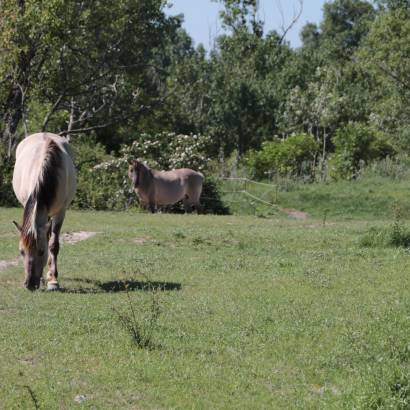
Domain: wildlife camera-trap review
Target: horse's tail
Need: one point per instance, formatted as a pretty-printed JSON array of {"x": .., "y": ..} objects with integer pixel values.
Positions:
[{"x": 47, "y": 185}]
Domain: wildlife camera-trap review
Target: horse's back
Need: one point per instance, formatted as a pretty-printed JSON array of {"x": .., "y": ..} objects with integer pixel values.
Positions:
[
  {"x": 30, "y": 155},
  {"x": 167, "y": 187},
  {"x": 172, "y": 186}
]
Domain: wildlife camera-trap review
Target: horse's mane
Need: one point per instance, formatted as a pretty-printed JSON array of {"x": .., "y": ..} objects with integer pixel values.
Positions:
[{"x": 44, "y": 193}]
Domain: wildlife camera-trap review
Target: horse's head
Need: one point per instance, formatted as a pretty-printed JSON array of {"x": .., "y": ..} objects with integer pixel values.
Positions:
[
  {"x": 134, "y": 167},
  {"x": 136, "y": 170},
  {"x": 34, "y": 251}
]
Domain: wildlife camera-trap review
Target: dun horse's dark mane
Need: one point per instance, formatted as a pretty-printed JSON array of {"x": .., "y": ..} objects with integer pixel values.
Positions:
[{"x": 44, "y": 193}]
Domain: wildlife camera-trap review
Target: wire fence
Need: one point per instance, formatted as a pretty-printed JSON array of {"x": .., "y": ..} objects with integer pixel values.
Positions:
[{"x": 246, "y": 196}]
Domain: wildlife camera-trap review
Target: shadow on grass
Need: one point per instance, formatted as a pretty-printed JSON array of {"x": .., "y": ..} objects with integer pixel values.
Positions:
[{"x": 118, "y": 286}]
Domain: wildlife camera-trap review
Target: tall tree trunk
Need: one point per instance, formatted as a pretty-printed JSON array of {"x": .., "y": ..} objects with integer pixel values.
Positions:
[
  {"x": 13, "y": 112},
  {"x": 12, "y": 117}
]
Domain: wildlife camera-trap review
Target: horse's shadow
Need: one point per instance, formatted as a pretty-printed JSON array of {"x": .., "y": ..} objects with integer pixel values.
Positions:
[{"x": 119, "y": 286}]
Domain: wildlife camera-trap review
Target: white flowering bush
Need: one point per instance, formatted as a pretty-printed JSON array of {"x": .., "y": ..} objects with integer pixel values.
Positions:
[{"x": 168, "y": 150}]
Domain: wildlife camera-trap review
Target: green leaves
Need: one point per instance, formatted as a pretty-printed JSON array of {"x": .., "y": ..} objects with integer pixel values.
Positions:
[
  {"x": 355, "y": 145},
  {"x": 292, "y": 156}
]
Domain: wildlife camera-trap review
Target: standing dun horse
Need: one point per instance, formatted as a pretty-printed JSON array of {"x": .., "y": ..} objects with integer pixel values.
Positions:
[
  {"x": 44, "y": 183},
  {"x": 155, "y": 188}
]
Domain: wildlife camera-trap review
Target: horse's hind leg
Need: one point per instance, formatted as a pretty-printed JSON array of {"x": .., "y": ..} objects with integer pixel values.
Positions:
[
  {"x": 187, "y": 204},
  {"x": 54, "y": 248},
  {"x": 191, "y": 202}
]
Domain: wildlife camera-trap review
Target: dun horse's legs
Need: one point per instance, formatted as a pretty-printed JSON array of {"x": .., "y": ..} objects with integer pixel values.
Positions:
[
  {"x": 53, "y": 248},
  {"x": 152, "y": 207},
  {"x": 187, "y": 205}
]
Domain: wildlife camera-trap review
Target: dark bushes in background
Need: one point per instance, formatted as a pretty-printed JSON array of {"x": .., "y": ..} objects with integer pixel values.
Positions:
[{"x": 7, "y": 197}]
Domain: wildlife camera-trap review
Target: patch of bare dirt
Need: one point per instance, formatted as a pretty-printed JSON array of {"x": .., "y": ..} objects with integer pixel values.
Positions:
[
  {"x": 140, "y": 241},
  {"x": 74, "y": 237},
  {"x": 7, "y": 264},
  {"x": 319, "y": 225},
  {"x": 67, "y": 237},
  {"x": 295, "y": 214}
]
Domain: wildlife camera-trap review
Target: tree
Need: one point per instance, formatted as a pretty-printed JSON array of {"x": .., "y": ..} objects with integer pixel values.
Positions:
[
  {"x": 385, "y": 56},
  {"x": 344, "y": 25},
  {"x": 393, "y": 4},
  {"x": 90, "y": 67}
]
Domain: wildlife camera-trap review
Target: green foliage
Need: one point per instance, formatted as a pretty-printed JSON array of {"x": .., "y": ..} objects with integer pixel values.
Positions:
[
  {"x": 384, "y": 57},
  {"x": 344, "y": 25},
  {"x": 395, "y": 168},
  {"x": 139, "y": 320},
  {"x": 211, "y": 199},
  {"x": 356, "y": 145},
  {"x": 293, "y": 156},
  {"x": 396, "y": 235},
  {"x": 102, "y": 181},
  {"x": 7, "y": 197},
  {"x": 87, "y": 65}
]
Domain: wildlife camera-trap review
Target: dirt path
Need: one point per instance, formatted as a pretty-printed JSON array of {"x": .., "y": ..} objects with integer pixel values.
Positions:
[
  {"x": 7, "y": 264},
  {"x": 74, "y": 237},
  {"x": 66, "y": 237},
  {"x": 295, "y": 214}
]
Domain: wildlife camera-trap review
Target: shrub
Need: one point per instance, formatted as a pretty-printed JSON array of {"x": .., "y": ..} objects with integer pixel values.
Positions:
[
  {"x": 293, "y": 156},
  {"x": 396, "y": 235},
  {"x": 168, "y": 150},
  {"x": 357, "y": 144},
  {"x": 102, "y": 181},
  {"x": 7, "y": 197}
]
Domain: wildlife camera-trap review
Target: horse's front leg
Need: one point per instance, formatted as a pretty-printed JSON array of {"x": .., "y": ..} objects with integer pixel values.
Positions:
[
  {"x": 53, "y": 249},
  {"x": 152, "y": 207}
]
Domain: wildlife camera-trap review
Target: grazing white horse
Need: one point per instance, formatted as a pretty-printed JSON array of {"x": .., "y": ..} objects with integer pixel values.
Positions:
[
  {"x": 156, "y": 188},
  {"x": 44, "y": 183}
]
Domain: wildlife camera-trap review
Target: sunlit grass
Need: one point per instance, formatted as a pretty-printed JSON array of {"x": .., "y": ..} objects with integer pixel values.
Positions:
[{"x": 255, "y": 313}]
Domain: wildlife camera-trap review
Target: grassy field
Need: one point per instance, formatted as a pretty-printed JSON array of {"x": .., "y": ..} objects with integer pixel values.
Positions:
[
  {"x": 253, "y": 313},
  {"x": 372, "y": 197}
]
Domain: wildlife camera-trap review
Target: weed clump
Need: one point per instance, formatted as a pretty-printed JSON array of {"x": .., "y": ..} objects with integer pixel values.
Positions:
[
  {"x": 140, "y": 319},
  {"x": 396, "y": 235}
]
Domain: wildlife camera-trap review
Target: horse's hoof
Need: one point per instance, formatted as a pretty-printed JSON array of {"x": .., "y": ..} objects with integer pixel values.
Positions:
[{"x": 53, "y": 286}]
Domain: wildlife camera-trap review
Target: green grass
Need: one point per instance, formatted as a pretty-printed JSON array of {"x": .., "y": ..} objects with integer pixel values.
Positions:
[
  {"x": 371, "y": 197},
  {"x": 255, "y": 313}
]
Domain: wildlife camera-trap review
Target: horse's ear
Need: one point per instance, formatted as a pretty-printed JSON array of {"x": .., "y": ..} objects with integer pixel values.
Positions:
[{"x": 18, "y": 227}]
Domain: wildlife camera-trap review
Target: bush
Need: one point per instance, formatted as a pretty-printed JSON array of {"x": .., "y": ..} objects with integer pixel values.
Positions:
[
  {"x": 102, "y": 181},
  {"x": 167, "y": 150},
  {"x": 356, "y": 145},
  {"x": 7, "y": 197},
  {"x": 293, "y": 156}
]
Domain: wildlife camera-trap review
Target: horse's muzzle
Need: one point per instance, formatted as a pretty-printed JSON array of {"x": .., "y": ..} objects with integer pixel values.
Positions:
[{"x": 32, "y": 283}]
